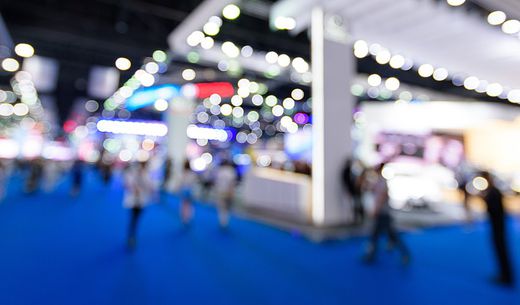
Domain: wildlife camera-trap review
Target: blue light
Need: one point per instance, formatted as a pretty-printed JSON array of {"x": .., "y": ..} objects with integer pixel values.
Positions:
[{"x": 147, "y": 96}]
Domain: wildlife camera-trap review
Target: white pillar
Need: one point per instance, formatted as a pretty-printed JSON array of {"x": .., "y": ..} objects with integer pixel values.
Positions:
[
  {"x": 178, "y": 119},
  {"x": 333, "y": 67}
]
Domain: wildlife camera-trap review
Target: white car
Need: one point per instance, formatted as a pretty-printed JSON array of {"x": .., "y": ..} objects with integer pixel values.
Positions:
[{"x": 417, "y": 185}]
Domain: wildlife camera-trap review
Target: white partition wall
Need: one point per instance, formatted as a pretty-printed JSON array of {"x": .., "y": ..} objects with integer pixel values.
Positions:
[{"x": 333, "y": 67}]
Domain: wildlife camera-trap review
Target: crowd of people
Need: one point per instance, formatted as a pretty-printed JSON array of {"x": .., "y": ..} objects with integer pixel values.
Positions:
[
  {"x": 218, "y": 184},
  {"x": 141, "y": 183},
  {"x": 219, "y": 181},
  {"x": 358, "y": 179}
]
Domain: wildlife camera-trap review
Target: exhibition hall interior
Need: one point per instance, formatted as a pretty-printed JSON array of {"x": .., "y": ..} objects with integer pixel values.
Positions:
[{"x": 259, "y": 152}]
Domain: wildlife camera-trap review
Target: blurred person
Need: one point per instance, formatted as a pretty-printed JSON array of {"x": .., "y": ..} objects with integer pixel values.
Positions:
[
  {"x": 497, "y": 218},
  {"x": 138, "y": 189},
  {"x": 3, "y": 180},
  {"x": 463, "y": 177},
  {"x": 167, "y": 175},
  {"x": 383, "y": 221},
  {"x": 77, "y": 177},
  {"x": 104, "y": 166},
  {"x": 189, "y": 179},
  {"x": 51, "y": 174},
  {"x": 352, "y": 183},
  {"x": 225, "y": 183},
  {"x": 106, "y": 172},
  {"x": 35, "y": 175},
  {"x": 207, "y": 180}
]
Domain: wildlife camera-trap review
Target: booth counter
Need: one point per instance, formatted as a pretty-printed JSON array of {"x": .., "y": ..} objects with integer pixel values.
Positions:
[{"x": 283, "y": 193}]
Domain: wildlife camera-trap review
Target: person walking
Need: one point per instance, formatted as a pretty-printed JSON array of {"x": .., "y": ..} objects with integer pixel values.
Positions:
[
  {"x": 225, "y": 183},
  {"x": 383, "y": 221},
  {"x": 497, "y": 219},
  {"x": 188, "y": 182},
  {"x": 138, "y": 189}
]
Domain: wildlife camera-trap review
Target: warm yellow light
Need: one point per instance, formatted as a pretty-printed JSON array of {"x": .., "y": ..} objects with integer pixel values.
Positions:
[
  {"x": 297, "y": 94},
  {"x": 360, "y": 49},
  {"x": 397, "y": 61},
  {"x": 496, "y": 18},
  {"x": 231, "y": 12},
  {"x": 471, "y": 83},
  {"x": 374, "y": 80},
  {"x": 161, "y": 105},
  {"x": 189, "y": 74},
  {"x": 284, "y": 23},
  {"x": 226, "y": 110},
  {"x": 383, "y": 57},
  {"x": 456, "y": 2},
  {"x": 511, "y": 26},
  {"x": 440, "y": 74},
  {"x": 10, "y": 65},
  {"x": 123, "y": 63},
  {"x": 494, "y": 89},
  {"x": 425, "y": 70},
  {"x": 480, "y": 183},
  {"x": 392, "y": 83},
  {"x": 24, "y": 50},
  {"x": 211, "y": 29}
]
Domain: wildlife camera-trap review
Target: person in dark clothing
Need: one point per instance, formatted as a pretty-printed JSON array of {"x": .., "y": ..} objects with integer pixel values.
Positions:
[
  {"x": 497, "y": 219},
  {"x": 383, "y": 222},
  {"x": 168, "y": 170},
  {"x": 462, "y": 181},
  {"x": 106, "y": 172},
  {"x": 35, "y": 175},
  {"x": 352, "y": 184},
  {"x": 77, "y": 177}
]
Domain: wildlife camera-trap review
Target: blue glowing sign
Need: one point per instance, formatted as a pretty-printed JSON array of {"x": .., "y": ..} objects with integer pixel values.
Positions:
[{"x": 148, "y": 95}]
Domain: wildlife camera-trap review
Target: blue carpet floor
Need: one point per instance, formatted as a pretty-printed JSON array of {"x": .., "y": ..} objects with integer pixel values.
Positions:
[{"x": 56, "y": 250}]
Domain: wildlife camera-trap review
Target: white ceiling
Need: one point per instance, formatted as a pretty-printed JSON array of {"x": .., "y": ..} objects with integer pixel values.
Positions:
[
  {"x": 426, "y": 31},
  {"x": 511, "y": 7}
]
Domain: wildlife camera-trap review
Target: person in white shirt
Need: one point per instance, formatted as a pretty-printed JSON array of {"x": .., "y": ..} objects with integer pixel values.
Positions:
[
  {"x": 138, "y": 190},
  {"x": 225, "y": 182}
]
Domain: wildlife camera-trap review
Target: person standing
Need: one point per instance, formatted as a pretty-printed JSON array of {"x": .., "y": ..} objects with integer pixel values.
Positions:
[
  {"x": 225, "y": 183},
  {"x": 463, "y": 176},
  {"x": 188, "y": 182},
  {"x": 35, "y": 176},
  {"x": 168, "y": 170},
  {"x": 138, "y": 189},
  {"x": 77, "y": 177},
  {"x": 3, "y": 180},
  {"x": 497, "y": 219},
  {"x": 383, "y": 221},
  {"x": 352, "y": 182}
]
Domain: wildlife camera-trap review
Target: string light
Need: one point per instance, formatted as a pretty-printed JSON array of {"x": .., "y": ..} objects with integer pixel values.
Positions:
[
  {"x": 231, "y": 12},
  {"x": 10, "y": 65},
  {"x": 24, "y": 50},
  {"x": 511, "y": 26},
  {"x": 496, "y": 18},
  {"x": 425, "y": 70},
  {"x": 456, "y": 2}
]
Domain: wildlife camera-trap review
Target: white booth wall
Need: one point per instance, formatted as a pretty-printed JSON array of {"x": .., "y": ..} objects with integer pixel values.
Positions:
[{"x": 490, "y": 130}]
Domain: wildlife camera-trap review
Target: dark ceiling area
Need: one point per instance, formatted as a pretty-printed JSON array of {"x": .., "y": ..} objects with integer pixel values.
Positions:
[{"x": 82, "y": 34}]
